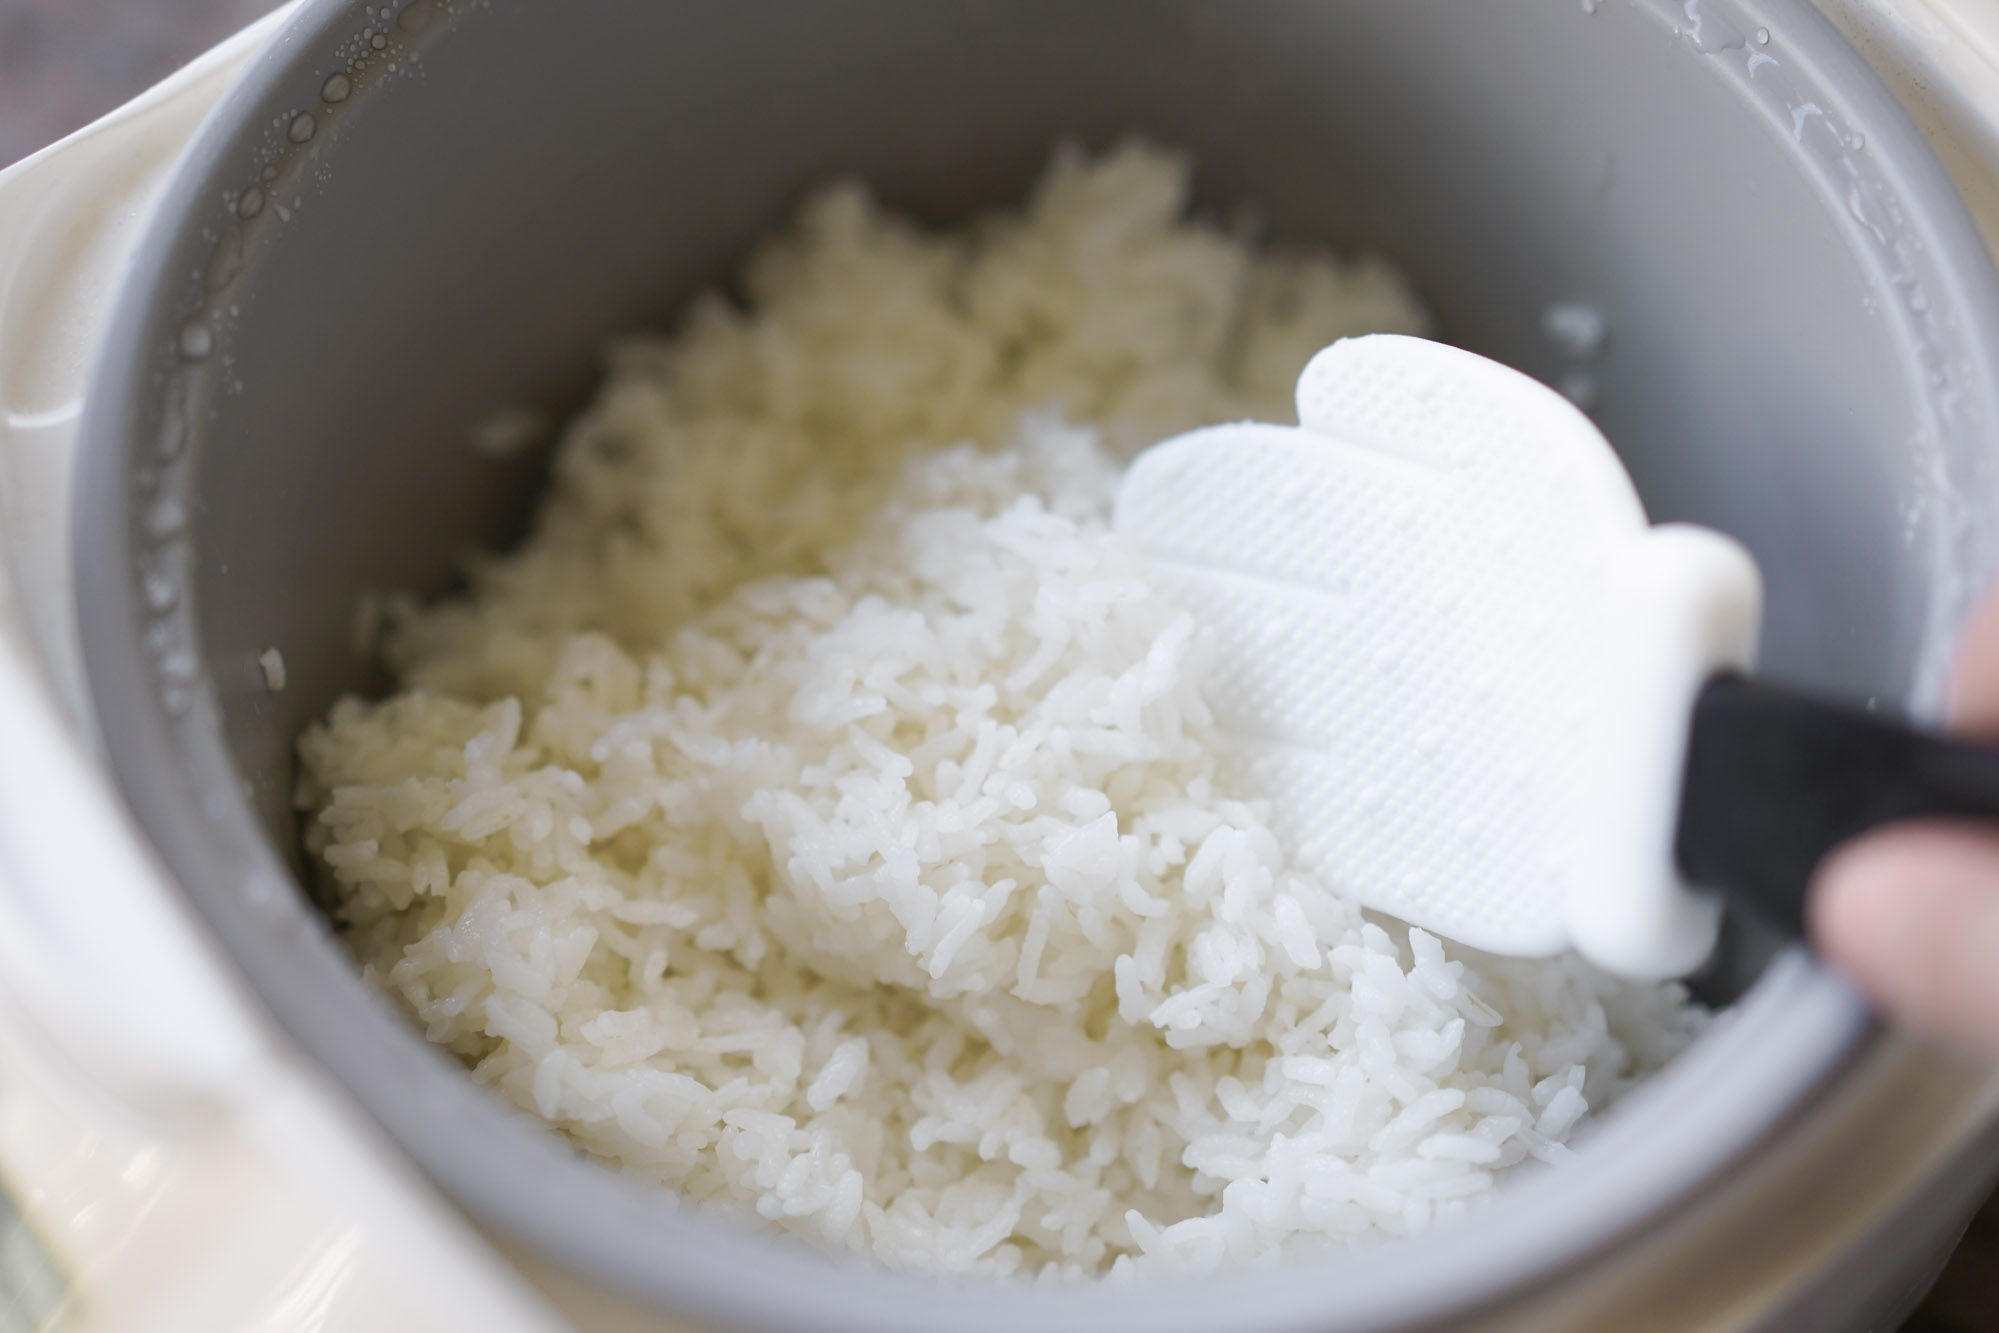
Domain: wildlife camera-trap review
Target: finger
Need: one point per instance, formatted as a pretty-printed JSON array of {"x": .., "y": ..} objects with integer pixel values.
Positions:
[
  {"x": 1911, "y": 913},
  {"x": 1975, "y": 692}
]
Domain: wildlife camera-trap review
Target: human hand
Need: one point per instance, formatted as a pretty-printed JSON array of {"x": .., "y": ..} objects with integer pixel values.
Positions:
[{"x": 1911, "y": 912}]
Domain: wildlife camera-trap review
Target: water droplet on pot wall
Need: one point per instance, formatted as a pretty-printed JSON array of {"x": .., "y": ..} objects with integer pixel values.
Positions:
[{"x": 196, "y": 342}]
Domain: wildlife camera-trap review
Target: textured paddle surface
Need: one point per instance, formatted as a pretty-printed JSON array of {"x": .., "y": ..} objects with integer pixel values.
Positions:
[{"x": 1451, "y": 649}]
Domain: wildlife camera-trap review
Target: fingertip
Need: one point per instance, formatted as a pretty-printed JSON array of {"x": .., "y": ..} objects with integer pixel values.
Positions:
[
  {"x": 1854, "y": 915},
  {"x": 1911, "y": 914},
  {"x": 1975, "y": 684}
]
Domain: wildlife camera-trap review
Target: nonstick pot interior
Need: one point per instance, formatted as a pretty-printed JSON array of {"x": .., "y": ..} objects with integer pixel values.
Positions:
[{"x": 358, "y": 267}]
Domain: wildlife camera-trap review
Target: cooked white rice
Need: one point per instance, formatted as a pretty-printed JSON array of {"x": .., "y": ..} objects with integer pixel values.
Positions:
[{"x": 820, "y": 815}]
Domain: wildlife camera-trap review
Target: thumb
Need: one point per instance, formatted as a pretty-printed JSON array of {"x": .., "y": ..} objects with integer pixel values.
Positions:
[
  {"x": 1912, "y": 914},
  {"x": 1974, "y": 704}
]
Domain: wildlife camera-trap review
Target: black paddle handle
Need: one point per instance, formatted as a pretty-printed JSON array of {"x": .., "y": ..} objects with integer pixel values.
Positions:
[{"x": 1775, "y": 780}]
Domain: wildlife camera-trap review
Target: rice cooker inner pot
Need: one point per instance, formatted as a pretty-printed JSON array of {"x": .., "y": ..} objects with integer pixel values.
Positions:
[{"x": 360, "y": 264}]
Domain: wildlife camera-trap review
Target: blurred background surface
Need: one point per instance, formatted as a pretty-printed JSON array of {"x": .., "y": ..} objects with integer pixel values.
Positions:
[{"x": 63, "y": 63}]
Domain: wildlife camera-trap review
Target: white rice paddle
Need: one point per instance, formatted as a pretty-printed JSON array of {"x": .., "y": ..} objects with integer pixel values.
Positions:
[{"x": 1482, "y": 693}]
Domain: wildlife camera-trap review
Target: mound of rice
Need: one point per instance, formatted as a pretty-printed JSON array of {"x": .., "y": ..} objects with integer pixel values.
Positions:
[{"x": 819, "y": 814}]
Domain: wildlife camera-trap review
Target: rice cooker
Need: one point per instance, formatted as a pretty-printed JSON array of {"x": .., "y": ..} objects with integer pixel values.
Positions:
[{"x": 250, "y": 322}]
